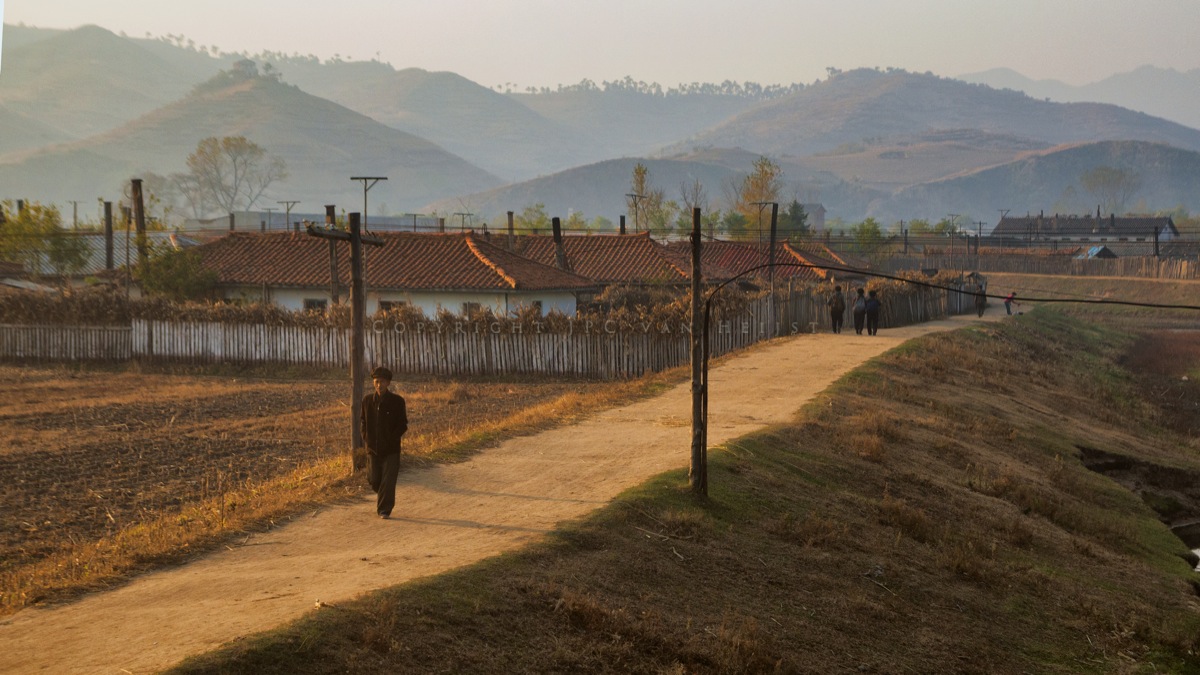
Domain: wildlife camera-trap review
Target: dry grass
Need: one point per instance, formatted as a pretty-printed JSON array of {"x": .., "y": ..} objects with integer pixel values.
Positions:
[{"x": 975, "y": 541}]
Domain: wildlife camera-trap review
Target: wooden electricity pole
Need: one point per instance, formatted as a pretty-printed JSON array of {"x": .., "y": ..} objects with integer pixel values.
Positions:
[
  {"x": 698, "y": 473},
  {"x": 357, "y": 313},
  {"x": 139, "y": 214}
]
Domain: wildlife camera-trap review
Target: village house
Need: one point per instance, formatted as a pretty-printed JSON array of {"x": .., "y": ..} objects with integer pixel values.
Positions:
[{"x": 458, "y": 273}]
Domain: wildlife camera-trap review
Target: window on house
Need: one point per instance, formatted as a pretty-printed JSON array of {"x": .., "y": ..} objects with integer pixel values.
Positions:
[
  {"x": 315, "y": 304},
  {"x": 470, "y": 308},
  {"x": 389, "y": 305}
]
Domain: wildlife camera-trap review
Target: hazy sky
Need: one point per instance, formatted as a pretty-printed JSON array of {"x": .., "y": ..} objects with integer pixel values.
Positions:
[{"x": 547, "y": 42}]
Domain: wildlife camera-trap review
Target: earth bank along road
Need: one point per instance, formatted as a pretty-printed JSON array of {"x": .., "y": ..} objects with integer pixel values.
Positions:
[{"x": 445, "y": 517}]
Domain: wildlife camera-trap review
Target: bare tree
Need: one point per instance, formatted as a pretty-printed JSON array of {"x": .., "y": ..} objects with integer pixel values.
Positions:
[
  {"x": 229, "y": 173},
  {"x": 1112, "y": 187},
  {"x": 693, "y": 196}
]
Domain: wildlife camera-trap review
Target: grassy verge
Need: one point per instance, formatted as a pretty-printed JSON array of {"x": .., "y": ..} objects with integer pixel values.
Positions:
[
  {"x": 929, "y": 513},
  {"x": 1160, "y": 291}
]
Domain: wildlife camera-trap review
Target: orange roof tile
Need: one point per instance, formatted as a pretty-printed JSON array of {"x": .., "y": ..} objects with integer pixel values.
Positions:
[
  {"x": 406, "y": 261},
  {"x": 723, "y": 260},
  {"x": 608, "y": 258}
]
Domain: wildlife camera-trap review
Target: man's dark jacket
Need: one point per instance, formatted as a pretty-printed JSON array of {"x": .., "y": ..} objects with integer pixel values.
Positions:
[{"x": 384, "y": 421}]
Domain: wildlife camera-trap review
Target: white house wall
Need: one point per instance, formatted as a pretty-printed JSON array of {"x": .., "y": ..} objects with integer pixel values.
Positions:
[{"x": 429, "y": 303}]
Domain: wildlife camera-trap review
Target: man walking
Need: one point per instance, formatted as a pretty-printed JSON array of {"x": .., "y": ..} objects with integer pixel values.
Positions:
[
  {"x": 873, "y": 307},
  {"x": 837, "y": 309},
  {"x": 384, "y": 421}
]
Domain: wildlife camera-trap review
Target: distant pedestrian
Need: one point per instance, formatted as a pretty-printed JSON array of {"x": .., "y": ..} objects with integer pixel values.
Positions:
[
  {"x": 873, "y": 307},
  {"x": 980, "y": 299},
  {"x": 384, "y": 421},
  {"x": 1010, "y": 301},
  {"x": 860, "y": 311},
  {"x": 837, "y": 309}
]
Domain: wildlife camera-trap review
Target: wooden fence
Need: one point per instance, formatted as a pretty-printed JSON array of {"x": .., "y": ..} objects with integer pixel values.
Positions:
[
  {"x": 1145, "y": 267},
  {"x": 588, "y": 348},
  {"x": 66, "y": 343}
]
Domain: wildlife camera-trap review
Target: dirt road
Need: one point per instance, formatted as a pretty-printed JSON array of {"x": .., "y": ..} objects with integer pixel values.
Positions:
[{"x": 446, "y": 517}]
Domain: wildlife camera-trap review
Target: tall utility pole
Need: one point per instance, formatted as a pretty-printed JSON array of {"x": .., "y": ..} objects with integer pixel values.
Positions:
[
  {"x": 139, "y": 215},
  {"x": 953, "y": 233},
  {"x": 771, "y": 268},
  {"x": 636, "y": 198},
  {"x": 368, "y": 183},
  {"x": 462, "y": 223},
  {"x": 357, "y": 313},
  {"x": 269, "y": 210},
  {"x": 761, "y": 206},
  {"x": 698, "y": 474},
  {"x": 287, "y": 218},
  {"x": 74, "y": 215}
]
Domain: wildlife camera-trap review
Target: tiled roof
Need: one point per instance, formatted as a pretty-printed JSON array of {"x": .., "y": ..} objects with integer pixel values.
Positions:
[
  {"x": 427, "y": 262},
  {"x": 1085, "y": 226},
  {"x": 608, "y": 258},
  {"x": 818, "y": 251},
  {"x": 724, "y": 260}
]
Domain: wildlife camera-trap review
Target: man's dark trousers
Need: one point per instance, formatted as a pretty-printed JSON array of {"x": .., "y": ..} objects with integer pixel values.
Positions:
[{"x": 381, "y": 473}]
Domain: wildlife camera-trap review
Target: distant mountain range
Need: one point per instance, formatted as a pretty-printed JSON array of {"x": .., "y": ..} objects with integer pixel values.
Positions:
[
  {"x": 82, "y": 111},
  {"x": 1162, "y": 92}
]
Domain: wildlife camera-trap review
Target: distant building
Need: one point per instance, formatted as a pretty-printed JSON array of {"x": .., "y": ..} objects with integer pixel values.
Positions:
[
  {"x": 816, "y": 217},
  {"x": 1122, "y": 235},
  {"x": 258, "y": 221},
  {"x": 1097, "y": 253}
]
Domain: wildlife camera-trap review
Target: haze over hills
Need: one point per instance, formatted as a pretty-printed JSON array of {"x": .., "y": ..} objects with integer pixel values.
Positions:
[
  {"x": 625, "y": 119},
  {"x": 1162, "y": 92},
  {"x": 322, "y": 143},
  {"x": 863, "y": 104},
  {"x": 87, "y": 81},
  {"x": 495, "y": 131},
  {"x": 863, "y": 142},
  {"x": 1049, "y": 181},
  {"x": 21, "y": 132}
]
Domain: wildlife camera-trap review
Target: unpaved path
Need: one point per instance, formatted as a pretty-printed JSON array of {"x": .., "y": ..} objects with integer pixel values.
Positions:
[{"x": 445, "y": 517}]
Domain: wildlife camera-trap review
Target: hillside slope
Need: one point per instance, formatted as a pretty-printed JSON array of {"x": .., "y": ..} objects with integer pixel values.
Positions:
[
  {"x": 1050, "y": 181},
  {"x": 1162, "y": 92},
  {"x": 489, "y": 129},
  {"x": 322, "y": 143},
  {"x": 88, "y": 80},
  {"x": 866, "y": 104}
]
